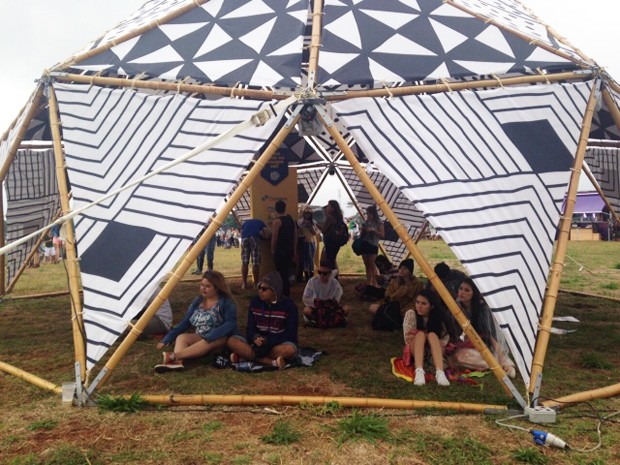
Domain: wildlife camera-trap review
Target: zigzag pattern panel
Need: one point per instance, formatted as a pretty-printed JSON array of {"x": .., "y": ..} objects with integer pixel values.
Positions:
[
  {"x": 407, "y": 213},
  {"x": 32, "y": 201},
  {"x": 603, "y": 124},
  {"x": 604, "y": 162},
  {"x": 128, "y": 243},
  {"x": 489, "y": 169}
]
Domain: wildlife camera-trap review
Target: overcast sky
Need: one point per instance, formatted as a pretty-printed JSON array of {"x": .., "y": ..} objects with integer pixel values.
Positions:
[{"x": 36, "y": 34}]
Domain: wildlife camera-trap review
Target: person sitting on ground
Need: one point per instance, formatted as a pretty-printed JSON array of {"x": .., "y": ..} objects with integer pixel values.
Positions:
[
  {"x": 213, "y": 317},
  {"x": 424, "y": 329},
  {"x": 452, "y": 279},
  {"x": 387, "y": 315},
  {"x": 461, "y": 352},
  {"x": 321, "y": 299},
  {"x": 271, "y": 337},
  {"x": 161, "y": 321},
  {"x": 252, "y": 231}
]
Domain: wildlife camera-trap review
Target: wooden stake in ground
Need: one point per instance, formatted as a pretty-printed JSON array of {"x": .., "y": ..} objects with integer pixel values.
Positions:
[{"x": 553, "y": 283}]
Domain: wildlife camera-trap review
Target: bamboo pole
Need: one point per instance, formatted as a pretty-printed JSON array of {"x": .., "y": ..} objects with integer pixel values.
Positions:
[
  {"x": 445, "y": 295},
  {"x": 38, "y": 95},
  {"x": 585, "y": 396},
  {"x": 613, "y": 84},
  {"x": 553, "y": 282},
  {"x": 315, "y": 42},
  {"x": 191, "y": 255},
  {"x": 422, "y": 231},
  {"x": 381, "y": 403},
  {"x": 594, "y": 181},
  {"x": 170, "y": 86},
  {"x": 25, "y": 263},
  {"x": 612, "y": 106},
  {"x": 71, "y": 261},
  {"x": 519, "y": 34},
  {"x": 30, "y": 378},
  {"x": 130, "y": 35}
]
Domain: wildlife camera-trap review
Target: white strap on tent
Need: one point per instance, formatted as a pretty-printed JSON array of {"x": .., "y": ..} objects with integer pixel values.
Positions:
[{"x": 257, "y": 119}]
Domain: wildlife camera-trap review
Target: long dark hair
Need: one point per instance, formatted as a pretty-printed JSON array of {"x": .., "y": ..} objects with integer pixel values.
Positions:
[
  {"x": 336, "y": 208},
  {"x": 435, "y": 323},
  {"x": 480, "y": 316},
  {"x": 218, "y": 281}
]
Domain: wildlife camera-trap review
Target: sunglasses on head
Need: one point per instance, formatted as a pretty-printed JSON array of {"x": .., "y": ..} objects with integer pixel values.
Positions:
[
  {"x": 324, "y": 273},
  {"x": 263, "y": 288}
]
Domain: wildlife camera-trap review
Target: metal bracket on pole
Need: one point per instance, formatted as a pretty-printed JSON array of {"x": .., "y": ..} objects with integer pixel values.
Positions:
[
  {"x": 96, "y": 382},
  {"x": 79, "y": 394},
  {"x": 294, "y": 114},
  {"x": 518, "y": 397},
  {"x": 536, "y": 393}
]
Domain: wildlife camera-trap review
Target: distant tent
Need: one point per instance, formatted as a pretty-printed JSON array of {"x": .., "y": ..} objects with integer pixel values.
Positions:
[{"x": 467, "y": 114}]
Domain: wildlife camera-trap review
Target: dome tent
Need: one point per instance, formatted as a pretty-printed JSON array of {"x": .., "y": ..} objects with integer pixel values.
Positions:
[{"x": 473, "y": 120}]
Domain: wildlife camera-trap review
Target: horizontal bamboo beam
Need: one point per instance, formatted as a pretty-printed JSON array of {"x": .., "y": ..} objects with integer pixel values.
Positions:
[
  {"x": 170, "y": 86},
  {"x": 30, "y": 378},
  {"x": 601, "y": 393},
  {"x": 359, "y": 402}
]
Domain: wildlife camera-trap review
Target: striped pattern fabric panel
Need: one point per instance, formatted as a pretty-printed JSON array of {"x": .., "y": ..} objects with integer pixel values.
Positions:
[
  {"x": 5, "y": 145},
  {"x": 225, "y": 42},
  {"x": 128, "y": 243},
  {"x": 604, "y": 162},
  {"x": 374, "y": 42},
  {"x": 32, "y": 201},
  {"x": 489, "y": 169},
  {"x": 406, "y": 212}
]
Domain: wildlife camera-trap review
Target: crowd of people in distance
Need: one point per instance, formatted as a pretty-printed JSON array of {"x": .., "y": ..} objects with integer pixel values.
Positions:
[{"x": 433, "y": 339}]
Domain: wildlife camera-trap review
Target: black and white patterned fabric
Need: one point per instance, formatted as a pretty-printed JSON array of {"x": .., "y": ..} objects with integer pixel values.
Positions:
[
  {"x": 603, "y": 125},
  {"x": 489, "y": 169},
  {"x": 374, "y": 41},
  {"x": 604, "y": 163},
  {"x": 32, "y": 201},
  {"x": 226, "y": 42},
  {"x": 406, "y": 212},
  {"x": 127, "y": 244}
]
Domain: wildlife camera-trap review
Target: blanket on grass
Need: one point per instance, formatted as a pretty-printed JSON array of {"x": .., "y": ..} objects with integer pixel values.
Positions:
[{"x": 306, "y": 356}]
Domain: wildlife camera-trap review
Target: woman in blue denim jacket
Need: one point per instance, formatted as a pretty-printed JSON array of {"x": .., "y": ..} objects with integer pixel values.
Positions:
[{"x": 212, "y": 315}]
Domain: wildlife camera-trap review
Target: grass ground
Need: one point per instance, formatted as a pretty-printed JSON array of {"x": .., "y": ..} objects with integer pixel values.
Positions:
[{"x": 35, "y": 335}]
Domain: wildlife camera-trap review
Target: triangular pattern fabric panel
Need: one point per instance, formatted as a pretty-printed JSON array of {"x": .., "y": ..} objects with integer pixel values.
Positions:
[
  {"x": 603, "y": 124},
  {"x": 224, "y": 42},
  {"x": 32, "y": 201},
  {"x": 489, "y": 169},
  {"x": 362, "y": 43},
  {"x": 149, "y": 12},
  {"x": 407, "y": 213},
  {"x": 512, "y": 14},
  {"x": 604, "y": 162},
  {"x": 127, "y": 244}
]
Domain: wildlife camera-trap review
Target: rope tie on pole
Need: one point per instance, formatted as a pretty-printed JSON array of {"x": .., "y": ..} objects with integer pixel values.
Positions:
[
  {"x": 446, "y": 83},
  {"x": 232, "y": 90},
  {"x": 499, "y": 81},
  {"x": 543, "y": 74},
  {"x": 544, "y": 328},
  {"x": 389, "y": 91}
]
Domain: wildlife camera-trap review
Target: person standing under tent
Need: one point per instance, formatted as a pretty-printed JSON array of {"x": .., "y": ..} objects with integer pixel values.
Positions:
[
  {"x": 284, "y": 245},
  {"x": 461, "y": 352},
  {"x": 372, "y": 232},
  {"x": 48, "y": 247},
  {"x": 271, "y": 330},
  {"x": 321, "y": 299},
  {"x": 424, "y": 331},
  {"x": 252, "y": 231},
  {"x": 208, "y": 251},
  {"x": 333, "y": 219},
  {"x": 308, "y": 231},
  {"x": 213, "y": 317},
  {"x": 57, "y": 241}
]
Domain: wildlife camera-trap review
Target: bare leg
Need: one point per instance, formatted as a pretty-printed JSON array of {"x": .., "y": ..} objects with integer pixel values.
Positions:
[
  {"x": 436, "y": 351},
  {"x": 190, "y": 345},
  {"x": 418, "y": 349},
  {"x": 371, "y": 269},
  {"x": 241, "y": 348},
  {"x": 255, "y": 273},
  {"x": 244, "y": 275},
  {"x": 372, "y": 308},
  {"x": 286, "y": 351}
]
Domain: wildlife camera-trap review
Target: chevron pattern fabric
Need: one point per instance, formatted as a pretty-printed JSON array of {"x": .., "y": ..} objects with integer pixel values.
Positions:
[
  {"x": 225, "y": 42},
  {"x": 127, "y": 244},
  {"x": 32, "y": 201},
  {"x": 489, "y": 169},
  {"x": 604, "y": 162},
  {"x": 603, "y": 124},
  {"x": 407, "y": 213},
  {"x": 374, "y": 41}
]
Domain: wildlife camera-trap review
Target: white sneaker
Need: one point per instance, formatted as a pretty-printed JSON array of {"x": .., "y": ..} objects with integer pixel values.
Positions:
[
  {"x": 440, "y": 376},
  {"x": 419, "y": 377}
]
